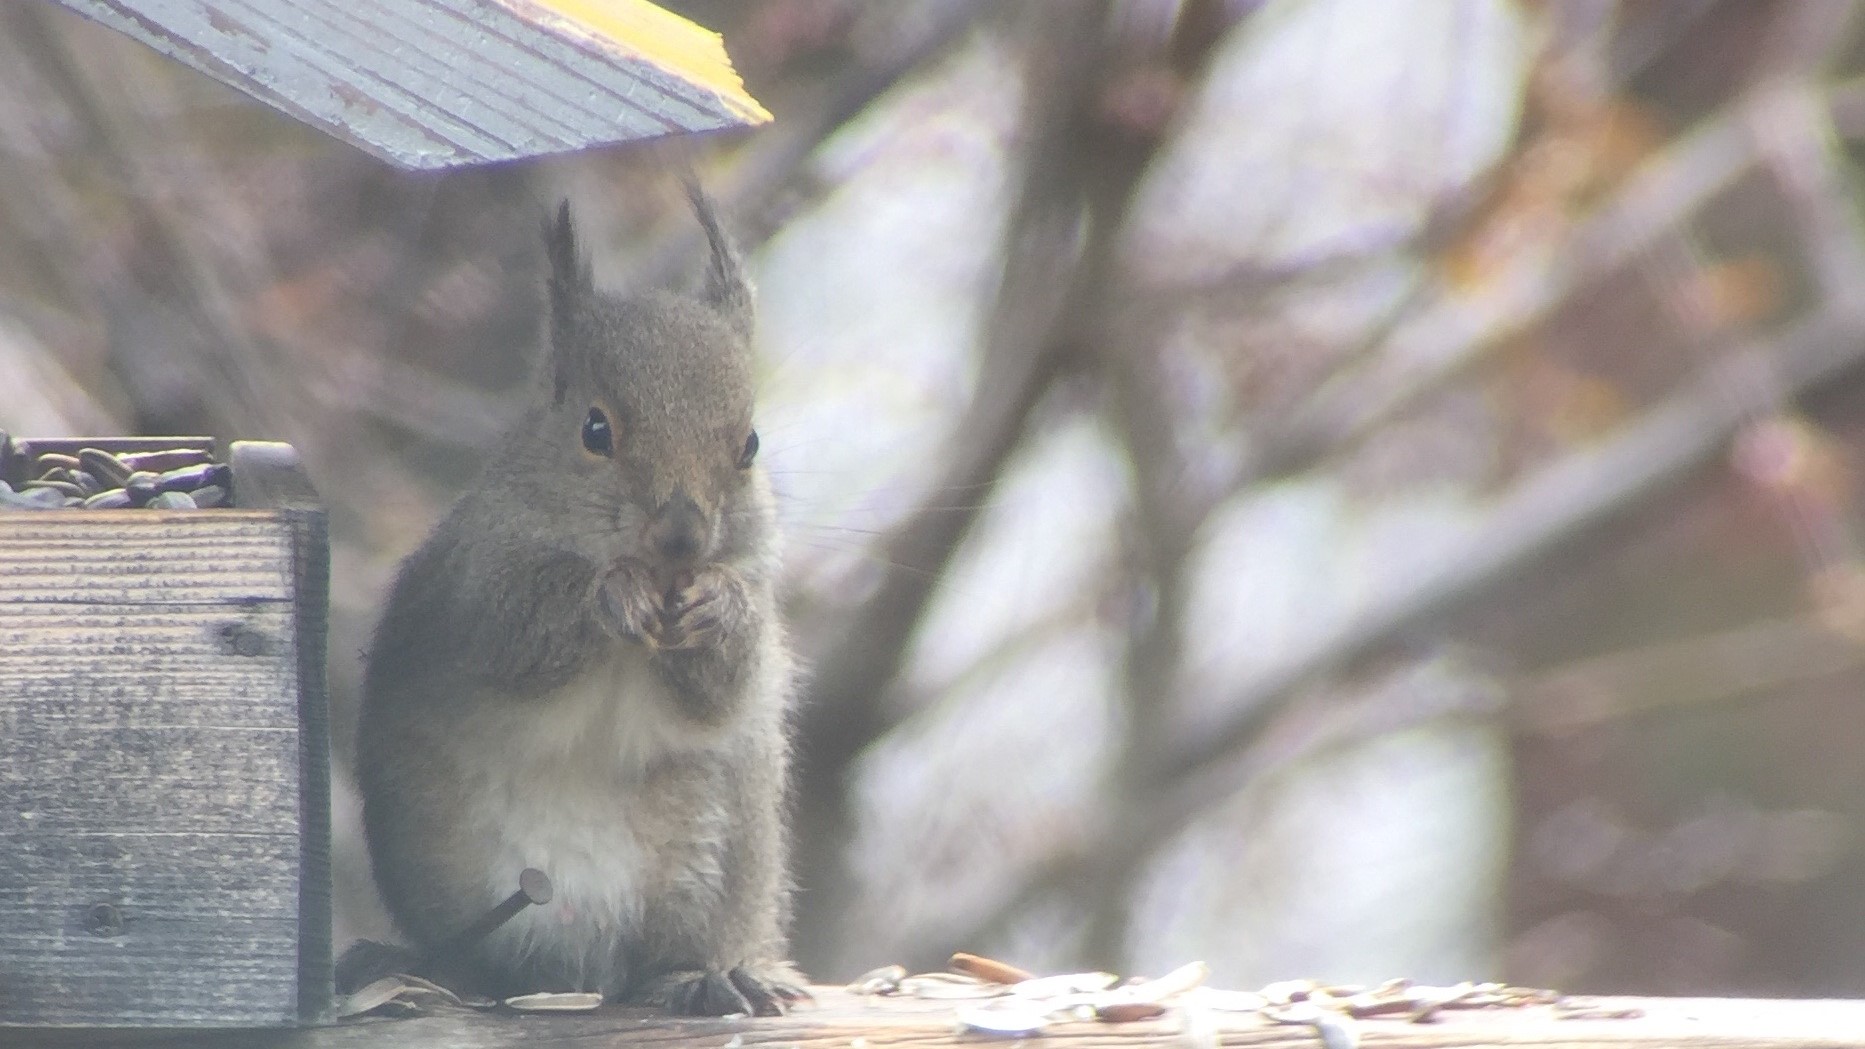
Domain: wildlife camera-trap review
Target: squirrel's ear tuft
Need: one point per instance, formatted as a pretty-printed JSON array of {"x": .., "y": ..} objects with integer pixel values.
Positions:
[
  {"x": 569, "y": 280},
  {"x": 727, "y": 287}
]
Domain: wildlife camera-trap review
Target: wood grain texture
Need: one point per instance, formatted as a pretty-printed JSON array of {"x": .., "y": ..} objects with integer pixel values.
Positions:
[
  {"x": 164, "y": 799},
  {"x": 842, "y": 1021}
]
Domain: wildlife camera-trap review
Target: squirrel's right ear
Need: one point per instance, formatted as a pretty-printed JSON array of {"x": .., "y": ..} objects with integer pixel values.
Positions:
[
  {"x": 727, "y": 286},
  {"x": 569, "y": 280}
]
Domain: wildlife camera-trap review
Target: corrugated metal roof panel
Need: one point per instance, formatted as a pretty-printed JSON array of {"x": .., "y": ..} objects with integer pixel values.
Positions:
[{"x": 441, "y": 83}]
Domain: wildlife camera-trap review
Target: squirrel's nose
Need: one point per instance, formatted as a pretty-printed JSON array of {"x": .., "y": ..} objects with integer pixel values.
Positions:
[{"x": 676, "y": 531}]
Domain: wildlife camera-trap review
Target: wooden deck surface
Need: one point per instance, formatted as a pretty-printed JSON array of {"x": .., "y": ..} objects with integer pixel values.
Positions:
[{"x": 840, "y": 1020}]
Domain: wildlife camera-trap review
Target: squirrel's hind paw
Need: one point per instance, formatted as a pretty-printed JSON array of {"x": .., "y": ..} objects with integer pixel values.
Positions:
[{"x": 711, "y": 992}]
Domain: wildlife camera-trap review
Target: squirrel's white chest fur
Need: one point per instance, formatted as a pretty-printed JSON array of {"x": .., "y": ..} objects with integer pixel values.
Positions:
[{"x": 560, "y": 800}]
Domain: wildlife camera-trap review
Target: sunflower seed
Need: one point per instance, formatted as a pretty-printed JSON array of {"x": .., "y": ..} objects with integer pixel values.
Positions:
[
  {"x": 209, "y": 495},
  {"x": 95, "y": 479},
  {"x": 54, "y": 461},
  {"x": 188, "y": 478},
  {"x": 104, "y": 466},
  {"x": 43, "y": 496},
  {"x": 990, "y": 970},
  {"x": 22, "y": 501},
  {"x": 163, "y": 462}
]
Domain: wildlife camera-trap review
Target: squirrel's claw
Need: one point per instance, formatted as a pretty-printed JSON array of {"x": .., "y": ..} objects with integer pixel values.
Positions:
[
  {"x": 697, "y": 613},
  {"x": 629, "y": 603},
  {"x": 702, "y": 992},
  {"x": 715, "y": 992}
]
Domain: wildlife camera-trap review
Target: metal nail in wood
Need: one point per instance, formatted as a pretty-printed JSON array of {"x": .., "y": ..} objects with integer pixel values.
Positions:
[{"x": 533, "y": 888}]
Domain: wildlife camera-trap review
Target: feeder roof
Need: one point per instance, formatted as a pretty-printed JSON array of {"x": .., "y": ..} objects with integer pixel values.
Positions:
[{"x": 441, "y": 83}]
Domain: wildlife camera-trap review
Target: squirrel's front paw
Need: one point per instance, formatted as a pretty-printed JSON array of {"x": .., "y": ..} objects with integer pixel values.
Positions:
[
  {"x": 629, "y": 603},
  {"x": 713, "y": 601}
]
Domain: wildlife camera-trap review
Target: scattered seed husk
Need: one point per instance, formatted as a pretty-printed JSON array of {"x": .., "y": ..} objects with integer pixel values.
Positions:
[
  {"x": 1000, "y": 1021},
  {"x": 1336, "y": 1030},
  {"x": 1128, "y": 1012},
  {"x": 1284, "y": 991},
  {"x": 208, "y": 496},
  {"x": 884, "y": 980},
  {"x": 170, "y": 501},
  {"x": 1178, "y": 981},
  {"x": 990, "y": 970},
  {"x": 369, "y": 997},
  {"x": 427, "y": 992},
  {"x": 1068, "y": 983},
  {"x": 948, "y": 985},
  {"x": 1227, "y": 1001},
  {"x": 554, "y": 1002},
  {"x": 55, "y": 461},
  {"x": 114, "y": 499}
]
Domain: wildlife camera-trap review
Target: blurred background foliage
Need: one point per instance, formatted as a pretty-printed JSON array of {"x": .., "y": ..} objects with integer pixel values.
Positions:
[{"x": 1332, "y": 487}]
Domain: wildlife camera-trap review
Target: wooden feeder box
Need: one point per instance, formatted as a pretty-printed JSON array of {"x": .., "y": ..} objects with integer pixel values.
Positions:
[{"x": 164, "y": 790}]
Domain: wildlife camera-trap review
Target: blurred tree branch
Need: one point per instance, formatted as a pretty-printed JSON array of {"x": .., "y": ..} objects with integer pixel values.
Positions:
[
  {"x": 1206, "y": 759},
  {"x": 767, "y": 179},
  {"x": 1019, "y": 354}
]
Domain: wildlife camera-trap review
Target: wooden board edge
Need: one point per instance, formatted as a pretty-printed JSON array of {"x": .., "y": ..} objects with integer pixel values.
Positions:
[{"x": 311, "y": 578}]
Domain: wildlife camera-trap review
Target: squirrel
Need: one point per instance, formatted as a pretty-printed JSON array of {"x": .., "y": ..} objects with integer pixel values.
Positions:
[{"x": 582, "y": 670}]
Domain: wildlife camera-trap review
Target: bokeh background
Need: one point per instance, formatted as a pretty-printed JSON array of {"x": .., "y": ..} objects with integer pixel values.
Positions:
[{"x": 1334, "y": 488}]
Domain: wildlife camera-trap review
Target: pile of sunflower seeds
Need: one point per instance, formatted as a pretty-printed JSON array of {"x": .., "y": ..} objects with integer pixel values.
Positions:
[{"x": 93, "y": 479}]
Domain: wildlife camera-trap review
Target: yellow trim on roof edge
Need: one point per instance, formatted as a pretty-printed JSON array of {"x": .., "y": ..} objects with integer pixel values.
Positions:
[{"x": 655, "y": 35}]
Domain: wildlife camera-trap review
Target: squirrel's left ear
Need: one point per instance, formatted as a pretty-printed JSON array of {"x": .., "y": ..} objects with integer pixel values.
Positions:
[
  {"x": 569, "y": 280},
  {"x": 727, "y": 287}
]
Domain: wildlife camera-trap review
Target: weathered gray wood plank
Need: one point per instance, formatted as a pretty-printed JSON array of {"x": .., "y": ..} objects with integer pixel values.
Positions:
[
  {"x": 173, "y": 557},
  {"x": 437, "y": 83},
  {"x": 144, "y": 666},
  {"x": 840, "y": 1021}
]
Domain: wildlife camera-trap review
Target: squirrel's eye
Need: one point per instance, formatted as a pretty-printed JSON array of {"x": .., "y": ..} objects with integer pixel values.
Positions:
[
  {"x": 751, "y": 451},
  {"x": 598, "y": 438}
]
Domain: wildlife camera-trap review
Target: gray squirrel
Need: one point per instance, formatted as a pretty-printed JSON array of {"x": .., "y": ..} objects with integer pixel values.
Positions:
[{"x": 582, "y": 670}]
